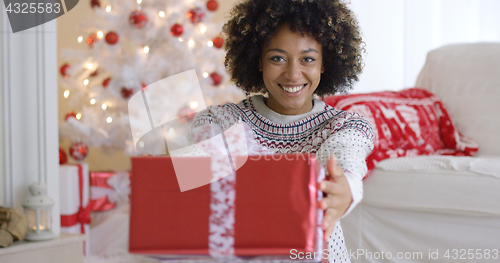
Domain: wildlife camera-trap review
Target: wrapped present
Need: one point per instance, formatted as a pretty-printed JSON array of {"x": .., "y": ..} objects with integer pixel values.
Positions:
[
  {"x": 107, "y": 189},
  {"x": 74, "y": 200},
  {"x": 268, "y": 207}
]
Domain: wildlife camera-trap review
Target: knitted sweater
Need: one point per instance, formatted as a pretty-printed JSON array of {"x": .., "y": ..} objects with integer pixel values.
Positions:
[{"x": 323, "y": 131}]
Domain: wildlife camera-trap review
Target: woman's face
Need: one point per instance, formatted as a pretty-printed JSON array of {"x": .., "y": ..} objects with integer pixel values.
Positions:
[{"x": 291, "y": 66}]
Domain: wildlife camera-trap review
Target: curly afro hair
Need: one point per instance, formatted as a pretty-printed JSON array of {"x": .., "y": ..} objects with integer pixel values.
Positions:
[{"x": 330, "y": 22}]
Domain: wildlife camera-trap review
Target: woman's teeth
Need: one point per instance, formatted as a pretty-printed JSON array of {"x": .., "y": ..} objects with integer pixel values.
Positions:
[{"x": 292, "y": 89}]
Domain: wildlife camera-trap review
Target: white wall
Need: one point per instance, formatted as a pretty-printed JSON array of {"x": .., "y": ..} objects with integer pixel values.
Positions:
[
  {"x": 29, "y": 113},
  {"x": 400, "y": 33},
  {"x": 3, "y": 187},
  {"x": 382, "y": 28},
  {"x": 2, "y": 164}
]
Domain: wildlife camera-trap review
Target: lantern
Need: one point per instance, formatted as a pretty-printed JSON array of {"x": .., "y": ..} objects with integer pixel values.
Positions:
[{"x": 38, "y": 210}]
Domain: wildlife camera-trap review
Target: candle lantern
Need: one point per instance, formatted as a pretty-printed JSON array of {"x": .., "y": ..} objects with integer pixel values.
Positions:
[{"x": 38, "y": 210}]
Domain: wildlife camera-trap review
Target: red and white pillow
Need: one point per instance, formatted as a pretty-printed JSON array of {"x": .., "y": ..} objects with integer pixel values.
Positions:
[{"x": 407, "y": 123}]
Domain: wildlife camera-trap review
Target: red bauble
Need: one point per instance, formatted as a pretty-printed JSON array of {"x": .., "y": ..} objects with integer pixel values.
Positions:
[
  {"x": 176, "y": 30},
  {"x": 138, "y": 19},
  {"x": 91, "y": 39},
  {"x": 216, "y": 78},
  {"x": 126, "y": 93},
  {"x": 212, "y": 5},
  {"x": 195, "y": 15},
  {"x": 78, "y": 151},
  {"x": 93, "y": 74},
  {"x": 111, "y": 38},
  {"x": 218, "y": 42},
  {"x": 70, "y": 115},
  {"x": 106, "y": 82},
  {"x": 95, "y": 3},
  {"x": 64, "y": 70},
  {"x": 186, "y": 114},
  {"x": 63, "y": 158}
]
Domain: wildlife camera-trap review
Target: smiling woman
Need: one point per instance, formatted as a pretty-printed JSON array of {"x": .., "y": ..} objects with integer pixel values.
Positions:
[{"x": 290, "y": 50}]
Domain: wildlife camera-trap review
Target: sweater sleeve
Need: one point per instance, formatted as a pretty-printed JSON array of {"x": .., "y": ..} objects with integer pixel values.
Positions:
[
  {"x": 208, "y": 124},
  {"x": 350, "y": 145}
]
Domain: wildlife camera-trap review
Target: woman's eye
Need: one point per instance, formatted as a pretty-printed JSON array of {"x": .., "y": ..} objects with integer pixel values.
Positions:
[
  {"x": 309, "y": 59},
  {"x": 277, "y": 59}
]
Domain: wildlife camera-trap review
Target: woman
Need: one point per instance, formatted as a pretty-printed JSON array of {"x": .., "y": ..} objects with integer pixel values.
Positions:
[{"x": 290, "y": 50}]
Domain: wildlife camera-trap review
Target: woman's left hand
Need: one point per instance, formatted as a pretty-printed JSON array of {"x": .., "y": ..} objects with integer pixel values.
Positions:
[{"x": 338, "y": 198}]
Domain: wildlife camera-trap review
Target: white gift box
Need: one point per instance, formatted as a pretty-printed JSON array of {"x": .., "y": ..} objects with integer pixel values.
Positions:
[{"x": 73, "y": 203}]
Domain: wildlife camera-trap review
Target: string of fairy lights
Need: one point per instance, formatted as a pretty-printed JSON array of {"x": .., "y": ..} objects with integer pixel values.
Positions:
[{"x": 176, "y": 31}]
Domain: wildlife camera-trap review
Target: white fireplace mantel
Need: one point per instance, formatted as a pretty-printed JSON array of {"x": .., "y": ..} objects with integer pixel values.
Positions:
[
  {"x": 28, "y": 113},
  {"x": 65, "y": 248}
]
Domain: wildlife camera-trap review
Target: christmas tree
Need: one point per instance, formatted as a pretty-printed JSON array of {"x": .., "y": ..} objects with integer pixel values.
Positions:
[{"x": 132, "y": 44}]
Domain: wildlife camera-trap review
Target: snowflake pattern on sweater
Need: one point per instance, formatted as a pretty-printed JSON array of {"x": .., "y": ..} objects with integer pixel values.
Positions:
[{"x": 323, "y": 131}]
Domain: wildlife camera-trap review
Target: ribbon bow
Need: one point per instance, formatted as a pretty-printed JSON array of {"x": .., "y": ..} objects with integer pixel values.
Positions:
[{"x": 84, "y": 215}]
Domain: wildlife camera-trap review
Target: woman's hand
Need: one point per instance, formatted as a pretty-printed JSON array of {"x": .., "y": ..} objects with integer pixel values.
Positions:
[{"x": 338, "y": 198}]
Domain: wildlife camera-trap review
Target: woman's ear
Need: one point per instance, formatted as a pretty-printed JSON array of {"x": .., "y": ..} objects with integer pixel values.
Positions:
[{"x": 322, "y": 69}]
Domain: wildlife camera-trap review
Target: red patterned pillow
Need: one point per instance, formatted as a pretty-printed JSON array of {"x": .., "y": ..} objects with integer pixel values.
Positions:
[{"x": 407, "y": 123}]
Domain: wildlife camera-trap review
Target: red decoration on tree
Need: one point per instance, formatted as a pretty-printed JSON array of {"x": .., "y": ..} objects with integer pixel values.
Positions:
[
  {"x": 106, "y": 82},
  {"x": 126, "y": 93},
  {"x": 70, "y": 115},
  {"x": 216, "y": 78},
  {"x": 176, "y": 30},
  {"x": 186, "y": 114},
  {"x": 195, "y": 15},
  {"x": 64, "y": 68},
  {"x": 63, "y": 158},
  {"x": 212, "y": 5},
  {"x": 138, "y": 19},
  {"x": 93, "y": 74},
  {"x": 111, "y": 38},
  {"x": 95, "y": 3},
  {"x": 78, "y": 151},
  {"x": 91, "y": 39},
  {"x": 218, "y": 42}
]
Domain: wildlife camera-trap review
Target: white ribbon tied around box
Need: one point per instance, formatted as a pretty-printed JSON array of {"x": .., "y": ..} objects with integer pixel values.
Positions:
[{"x": 120, "y": 184}]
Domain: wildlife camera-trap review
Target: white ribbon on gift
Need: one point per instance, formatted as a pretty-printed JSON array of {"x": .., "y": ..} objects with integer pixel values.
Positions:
[
  {"x": 120, "y": 184},
  {"x": 238, "y": 142}
]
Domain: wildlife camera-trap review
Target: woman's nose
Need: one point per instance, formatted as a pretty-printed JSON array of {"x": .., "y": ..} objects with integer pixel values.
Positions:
[{"x": 293, "y": 71}]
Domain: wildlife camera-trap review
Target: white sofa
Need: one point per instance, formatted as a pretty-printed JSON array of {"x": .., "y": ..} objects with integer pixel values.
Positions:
[{"x": 414, "y": 207}]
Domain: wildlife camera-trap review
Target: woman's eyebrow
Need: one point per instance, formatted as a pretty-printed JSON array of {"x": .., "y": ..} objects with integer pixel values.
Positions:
[
  {"x": 283, "y": 51},
  {"x": 309, "y": 50}
]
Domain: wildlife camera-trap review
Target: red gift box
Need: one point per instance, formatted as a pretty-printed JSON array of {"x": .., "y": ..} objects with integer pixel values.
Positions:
[
  {"x": 101, "y": 189},
  {"x": 275, "y": 207}
]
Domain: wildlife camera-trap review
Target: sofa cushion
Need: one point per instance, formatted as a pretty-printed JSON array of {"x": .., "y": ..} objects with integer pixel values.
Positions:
[
  {"x": 407, "y": 123},
  {"x": 451, "y": 184},
  {"x": 467, "y": 79}
]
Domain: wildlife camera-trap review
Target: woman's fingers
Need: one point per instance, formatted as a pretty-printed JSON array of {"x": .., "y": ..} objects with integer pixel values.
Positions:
[
  {"x": 329, "y": 222},
  {"x": 338, "y": 196},
  {"x": 332, "y": 187},
  {"x": 334, "y": 170}
]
